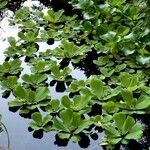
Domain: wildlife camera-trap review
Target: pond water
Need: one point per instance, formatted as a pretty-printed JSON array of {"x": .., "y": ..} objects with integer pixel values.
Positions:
[{"x": 20, "y": 138}]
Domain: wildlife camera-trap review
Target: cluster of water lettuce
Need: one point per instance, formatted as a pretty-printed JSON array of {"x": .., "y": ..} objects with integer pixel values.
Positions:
[{"x": 109, "y": 41}]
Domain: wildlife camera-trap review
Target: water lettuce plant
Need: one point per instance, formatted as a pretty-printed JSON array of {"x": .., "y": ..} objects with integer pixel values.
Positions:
[{"x": 125, "y": 128}]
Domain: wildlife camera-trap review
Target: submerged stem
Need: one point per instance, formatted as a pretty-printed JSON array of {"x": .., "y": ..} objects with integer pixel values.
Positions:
[{"x": 8, "y": 138}]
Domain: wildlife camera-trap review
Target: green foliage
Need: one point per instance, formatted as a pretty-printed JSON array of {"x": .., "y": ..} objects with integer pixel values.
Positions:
[
  {"x": 125, "y": 128},
  {"x": 34, "y": 79},
  {"x": 27, "y": 99},
  {"x": 3, "y": 4},
  {"x": 116, "y": 34},
  {"x": 54, "y": 17},
  {"x": 12, "y": 67},
  {"x": 70, "y": 124},
  {"x": 41, "y": 123}
]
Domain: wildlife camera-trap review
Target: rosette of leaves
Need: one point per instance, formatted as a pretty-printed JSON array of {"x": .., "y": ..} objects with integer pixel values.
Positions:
[
  {"x": 124, "y": 129},
  {"x": 54, "y": 17},
  {"x": 79, "y": 103},
  {"x": 134, "y": 105},
  {"x": 8, "y": 84},
  {"x": 54, "y": 107},
  {"x": 70, "y": 50},
  {"x": 76, "y": 86},
  {"x": 40, "y": 124},
  {"x": 29, "y": 36},
  {"x": 70, "y": 124},
  {"x": 40, "y": 66},
  {"x": 131, "y": 82},
  {"x": 22, "y": 15},
  {"x": 12, "y": 67},
  {"x": 28, "y": 100},
  {"x": 61, "y": 77},
  {"x": 107, "y": 66},
  {"x": 34, "y": 80},
  {"x": 13, "y": 49},
  {"x": 98, "y": 89}
]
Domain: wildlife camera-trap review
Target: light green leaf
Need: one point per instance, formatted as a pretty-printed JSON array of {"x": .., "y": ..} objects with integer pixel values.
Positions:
[
  {"x": 59, "y": 125},
  {"x": 63, "y": 135},
  {"x": 41, "y": 94},
  {"x": 119, "y": 120},
  {"x": 37, "y": 117},
  {"x": 97, "y": 87},
  {"x": 65, "y": 101},
  {"x": 67, "y": 116}
]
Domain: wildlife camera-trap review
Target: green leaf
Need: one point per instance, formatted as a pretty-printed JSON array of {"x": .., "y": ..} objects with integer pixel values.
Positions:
[
  {"x": 109, "y": 106},
  {"x": 135, "y": 132},
  {"x": 75, "y": 138},
  {"x": 122, "y": 30},
  {"x": 63, "y": 135},
  {"x": 46, "y": 119},
  {"x": 125, "y": 79},
  {"x": 12, "y": 41},
  {"x": 81, "y": 101},
  {"x": 128, "y": 124},
  {"x": 15, "y": 103},
  {"x": 119, "y": 120},
  {"x": 114, "y": 141},
  {"x": 37, "y": 117},
  {"x": 34, "y": 126},
  {"x": 120, "y": 67},
  {"x": 59, "y": 125},
  {"x": 76, "y": 119},
  {"x": 58, "y": 14},
  {"x": 65, "y": 101},
  {"x": 55, "y": 71},
  {"x": 127, "y": 96},
  {"x": 111, "y": 131},
  {"x": 55, "y": 104},
  {"x": 97, "y": 87},
  {"x": 84, "y": 124},
  {"x": 67, "y": 117},
  {"x": 41, "y": 94},
  {"x": 20, "y": 92},
  {"x": 142, "y": 103}
]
